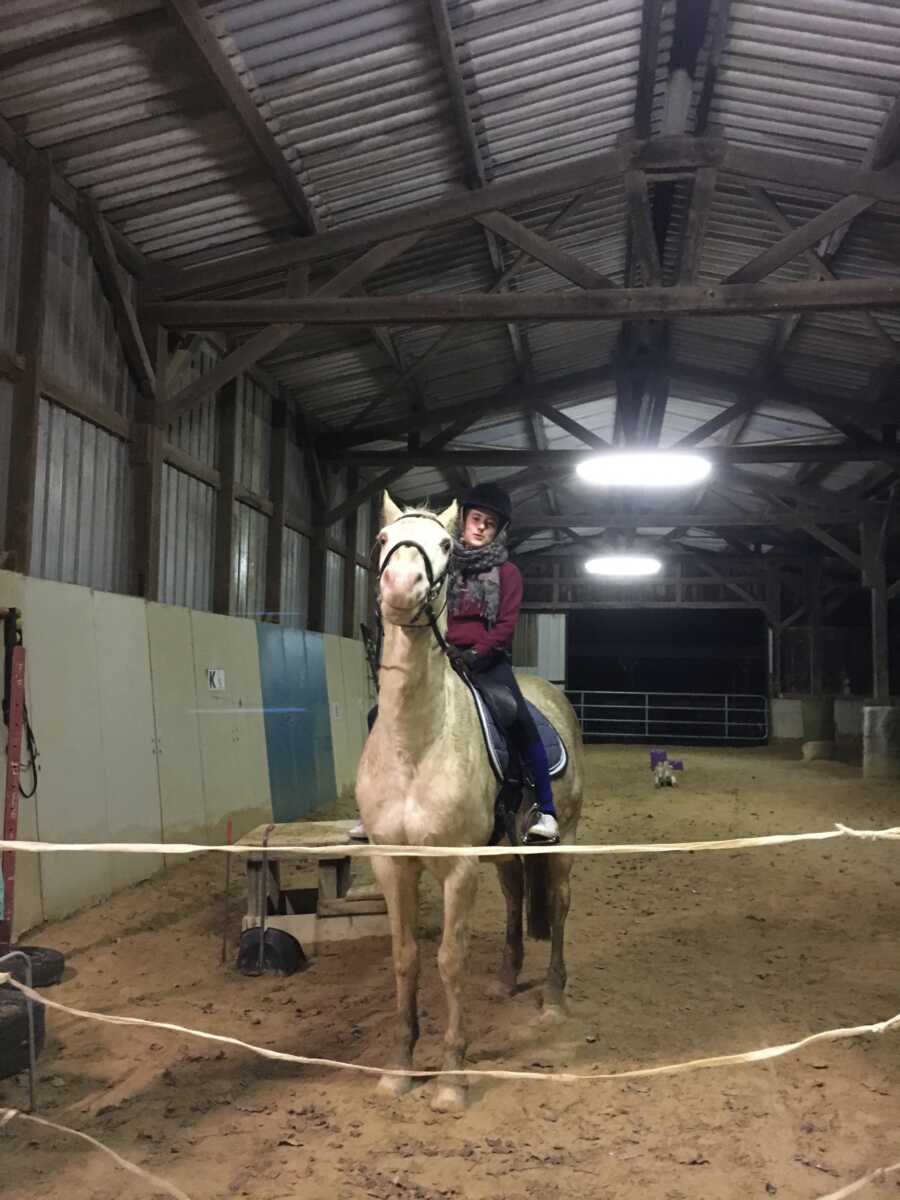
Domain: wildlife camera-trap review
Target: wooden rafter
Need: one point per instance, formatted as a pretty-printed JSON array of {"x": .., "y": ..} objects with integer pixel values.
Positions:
[
  {"x": 624, "y": 303},
  {"x": 192, "y": 24}
]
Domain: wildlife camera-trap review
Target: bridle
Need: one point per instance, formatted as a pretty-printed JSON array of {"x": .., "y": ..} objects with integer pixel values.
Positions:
[{"x": 435, "y": 583}]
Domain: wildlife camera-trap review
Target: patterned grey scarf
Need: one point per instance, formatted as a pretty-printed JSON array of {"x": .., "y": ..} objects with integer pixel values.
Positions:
[{"x": 475, "y": 577}]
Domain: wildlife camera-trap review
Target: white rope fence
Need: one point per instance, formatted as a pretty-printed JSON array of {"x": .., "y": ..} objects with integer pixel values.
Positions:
[
  {"x": 695, "y": 1064},
  {"x": 363, "y": 850},
  {"x": 160, "y": 1185},
  {"x": 367, "y": 851}
]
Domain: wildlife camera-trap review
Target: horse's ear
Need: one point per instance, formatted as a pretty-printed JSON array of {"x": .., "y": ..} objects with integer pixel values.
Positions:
[
  {"x": 449, "y": 517},
  {"x": 392, "y": 512}
]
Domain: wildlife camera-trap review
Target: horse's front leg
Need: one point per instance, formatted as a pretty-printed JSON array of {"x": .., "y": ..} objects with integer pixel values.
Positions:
[
  {"x": 399, "y": 881},
  {"x": 460, "y": 884}
]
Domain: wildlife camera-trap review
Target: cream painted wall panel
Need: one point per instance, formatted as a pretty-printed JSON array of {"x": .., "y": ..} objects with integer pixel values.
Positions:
[
  {"x": 232, "y": 732},
  {"x": 344, "y": 770},
  {"x": 29, "y": 903},
  {"x": 65, "y": 712},
  {"x": 182, "y": 800},
  {"x": 127, "y": 732}
]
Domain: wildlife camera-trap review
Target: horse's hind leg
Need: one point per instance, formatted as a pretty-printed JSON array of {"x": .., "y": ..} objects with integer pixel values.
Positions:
[
  {"x": 459, "y": 884},
  {"x": 512, "y": 882},
  {"x": 399, "y": 880},
  {"x": 554, "y": 1002}
]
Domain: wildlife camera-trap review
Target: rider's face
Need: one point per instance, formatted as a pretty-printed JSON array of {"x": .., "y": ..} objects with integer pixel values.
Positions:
[{"x": 480, "y": 528}]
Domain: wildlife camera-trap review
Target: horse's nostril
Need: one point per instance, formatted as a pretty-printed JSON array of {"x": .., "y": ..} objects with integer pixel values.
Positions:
[{"x": 419, "y": 577}]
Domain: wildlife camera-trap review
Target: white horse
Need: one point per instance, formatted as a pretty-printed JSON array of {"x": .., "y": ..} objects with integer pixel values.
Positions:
[{"x": 424, "y": 779}]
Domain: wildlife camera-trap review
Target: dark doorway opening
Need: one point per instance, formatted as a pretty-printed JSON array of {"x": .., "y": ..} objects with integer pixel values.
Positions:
[{"x": 686, "y": 676}]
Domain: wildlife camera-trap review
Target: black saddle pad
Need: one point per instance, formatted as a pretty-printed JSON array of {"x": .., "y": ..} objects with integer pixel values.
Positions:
[{"x": 498, "y": 749}]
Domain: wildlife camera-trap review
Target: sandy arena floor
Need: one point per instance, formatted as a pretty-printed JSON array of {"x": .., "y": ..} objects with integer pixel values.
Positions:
[{"x": 670, "y": 957}]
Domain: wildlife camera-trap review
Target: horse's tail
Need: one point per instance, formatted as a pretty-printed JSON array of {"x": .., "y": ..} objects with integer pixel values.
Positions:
[{"x": 537, "y": 896}]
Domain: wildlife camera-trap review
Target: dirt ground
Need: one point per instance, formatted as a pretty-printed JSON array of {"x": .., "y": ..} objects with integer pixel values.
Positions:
[{"x": 670, "y": 957}]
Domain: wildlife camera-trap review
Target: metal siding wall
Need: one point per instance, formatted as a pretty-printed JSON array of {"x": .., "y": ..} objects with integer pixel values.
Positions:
[
  {"x": 551, "y": 646},
  {"x": 297, "y": 494},
  {"x": 254, "y": 438},
  {"x": 80, "y": 345},
  {"x": 12, "y": 196},
  {"x": 195, "y": 431},
  {"x": 186, "y": 545},
  {"x": 6, "y": 408},
  {"x": 248, "y": 567},
  {"x": 337, "y": 487},
  {"x": 295, "y": 579},
  {"x": 360, "y": 600},
  {"x": 81, "y": 503},
  {"x": 334, "y": 591}
]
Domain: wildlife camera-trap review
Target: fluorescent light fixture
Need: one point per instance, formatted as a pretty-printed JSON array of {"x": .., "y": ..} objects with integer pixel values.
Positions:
[
  {"x": 649, "y": 469},
  {"x": 623, "y": 566}
]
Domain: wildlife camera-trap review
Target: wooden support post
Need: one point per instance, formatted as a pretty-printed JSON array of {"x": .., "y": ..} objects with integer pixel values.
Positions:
[
  {"x": 773, "y": 615},
  {"x": 223, "y": 554},
  {"x": 351, "y": 524},
  {"x": 875, "y": 579},
  {"x": 27, "y": 396},
  {"x": 816, "y": 664},
  {"x": 147, "y": 475},
  {"x": 275, "y": 542}
]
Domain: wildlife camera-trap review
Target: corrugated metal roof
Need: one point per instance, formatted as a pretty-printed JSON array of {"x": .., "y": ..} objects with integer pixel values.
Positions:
[{"x": 355, "y": 94}]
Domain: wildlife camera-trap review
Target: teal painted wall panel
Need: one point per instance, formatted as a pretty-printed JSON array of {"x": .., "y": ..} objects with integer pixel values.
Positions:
[{"x": 298, "y": 735}]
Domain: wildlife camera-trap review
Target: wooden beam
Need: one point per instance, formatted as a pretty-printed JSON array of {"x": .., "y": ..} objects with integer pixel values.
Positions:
[
  {"x": 385, "y": 480},
  {"x": 703, "y": 190},
  {"x": 275, "y": 540},
  {"x": 815, "y": 530},
  {"x": 348, "y": 599},
  {"x": 223, "y": 548},
  {"x": 651, "y": 12},
  {"x": 146, "y": 456},
  {"x": 11, "y": 365},
  {"x": 510, "y": 397},
  {"x": 713, "y": 63},
  {"x": 766, "y": 452},
  {"x": 740, "y": 407},
  {"x": 680, "y": 155},
  {"x": 622, "y": 304},
  {"x": 268, "y": 340},
  {"x": 26, "y": 392},
  {"x": 123, "y": 311},
  {"x": 643, "y": 235},
  {"x": 875, "y": 579},
  {"x": 540, "y": 248},
  {"x": 77, "y": 402},
  {"x": 188, "y": 465},
  {"x": 191, "y": 23},
  {"x": 819, "y": 267},
  {"x": 573, "y": 427},
  {"x": 800, "y": 239}
]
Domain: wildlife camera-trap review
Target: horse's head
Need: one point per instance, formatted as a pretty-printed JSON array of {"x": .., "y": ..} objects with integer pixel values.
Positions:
[{"x": 415, "y": 554}]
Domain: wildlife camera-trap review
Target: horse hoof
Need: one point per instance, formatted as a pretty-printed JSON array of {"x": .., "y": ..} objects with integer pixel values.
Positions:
[
  {"x": 449, "y": 1098},
  {"x": 392, "y": 1087},
  {"x": 552, "y": 1014}
]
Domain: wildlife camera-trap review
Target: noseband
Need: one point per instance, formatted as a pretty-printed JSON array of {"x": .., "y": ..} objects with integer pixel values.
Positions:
[{"x": 435, "y": 583}]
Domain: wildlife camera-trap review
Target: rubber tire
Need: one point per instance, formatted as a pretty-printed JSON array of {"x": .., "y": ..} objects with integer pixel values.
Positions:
[
  {"x": 47, "y": 966},
  {"x": 14, "y": 1032}
]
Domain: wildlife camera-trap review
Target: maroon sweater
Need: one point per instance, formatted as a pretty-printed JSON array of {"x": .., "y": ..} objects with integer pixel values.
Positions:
[{"x": 468, "y": 628}]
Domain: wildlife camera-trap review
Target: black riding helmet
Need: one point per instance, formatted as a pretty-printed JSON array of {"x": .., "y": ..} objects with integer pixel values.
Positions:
[{"x": 489, "y": 497}]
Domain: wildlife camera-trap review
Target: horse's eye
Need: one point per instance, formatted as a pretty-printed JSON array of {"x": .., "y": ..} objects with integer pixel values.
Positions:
[
  {"x": 382, "y": 539},
  {"x": 445, "y": 545}
]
